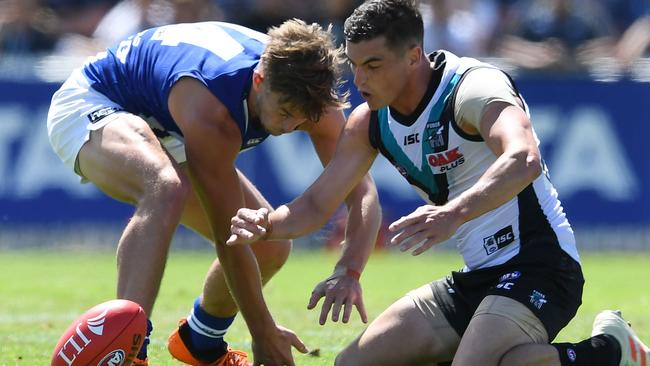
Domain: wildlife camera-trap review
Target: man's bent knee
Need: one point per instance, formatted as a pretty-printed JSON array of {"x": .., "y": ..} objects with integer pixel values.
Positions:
[{"x": 271, "y": 256}]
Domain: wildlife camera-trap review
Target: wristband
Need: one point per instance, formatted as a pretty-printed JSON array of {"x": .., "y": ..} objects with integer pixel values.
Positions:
[
  {"x": 344, "y": 271},
  {"x": 353, "y": 273}
]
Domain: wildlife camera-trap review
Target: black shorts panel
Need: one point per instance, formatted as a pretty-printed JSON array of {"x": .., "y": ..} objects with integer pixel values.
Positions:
[{"x": 550, "y": 286}]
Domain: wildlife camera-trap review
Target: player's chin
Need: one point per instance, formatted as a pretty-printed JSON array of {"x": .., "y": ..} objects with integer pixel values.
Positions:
[{"x": 373, "y": 102}]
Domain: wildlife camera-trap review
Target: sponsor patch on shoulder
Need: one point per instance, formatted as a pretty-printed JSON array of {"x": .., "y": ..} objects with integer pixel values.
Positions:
[{"x": 97, "y": 115}]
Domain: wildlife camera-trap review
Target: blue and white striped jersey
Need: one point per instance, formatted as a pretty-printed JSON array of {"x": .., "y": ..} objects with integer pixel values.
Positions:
[{"x": 139, "y": 72}]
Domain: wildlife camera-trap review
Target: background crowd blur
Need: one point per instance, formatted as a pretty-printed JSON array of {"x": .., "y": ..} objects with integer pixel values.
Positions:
[
  {"x": 583, "y": 65},
  {"x": 600, "y": 37}
]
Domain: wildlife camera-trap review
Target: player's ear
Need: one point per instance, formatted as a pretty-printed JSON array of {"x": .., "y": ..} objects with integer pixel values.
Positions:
[
  {"x": 415, "y": 55},
  {"x": 258, "y": 79}
]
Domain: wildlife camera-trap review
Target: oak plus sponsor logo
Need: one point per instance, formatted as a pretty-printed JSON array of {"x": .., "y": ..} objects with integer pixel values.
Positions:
[
  {"x": 81, "y": 338},
  {"x": 500, "y": 239},
  {"x": 445, "y": 161},
  {"x": 114, "y": 358}
]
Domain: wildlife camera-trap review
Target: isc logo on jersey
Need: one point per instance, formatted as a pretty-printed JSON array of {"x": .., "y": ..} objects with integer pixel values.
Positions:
[{"x": 445, "y": 161}]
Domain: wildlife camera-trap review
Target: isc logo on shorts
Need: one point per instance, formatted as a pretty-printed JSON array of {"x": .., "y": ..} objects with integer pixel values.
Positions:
[{"x": 499, "y": 240}]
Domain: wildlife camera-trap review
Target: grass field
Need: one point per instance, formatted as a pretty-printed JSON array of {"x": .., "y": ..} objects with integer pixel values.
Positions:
[{"x": 42, "y": 292}]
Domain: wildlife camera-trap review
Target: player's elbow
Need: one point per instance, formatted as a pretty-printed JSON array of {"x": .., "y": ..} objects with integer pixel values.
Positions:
[
  {"x": 365, "y": 192},
  {"x": 532, "y": 164}
]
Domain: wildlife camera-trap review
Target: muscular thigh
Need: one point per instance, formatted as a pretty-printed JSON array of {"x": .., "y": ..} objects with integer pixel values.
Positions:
[
  {"x": 412, "y": 331},
  {"x": 498, "y": 325},
  {"x": 124, "y": 158}
]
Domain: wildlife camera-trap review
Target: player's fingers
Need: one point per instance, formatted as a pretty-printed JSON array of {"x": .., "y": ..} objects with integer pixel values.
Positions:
[
  {"x": 402, "y": 236},
  {"x": 413, "y": 233},
  {"x": 347, "y": 310},
  {"x": 412, "y": 242},
  {"x": 336, "y": 309},
  {"x": 233, "y": 240},
  {"x": 424, "y": 247},
  {"x": 247, "y": 214},
  {"x": 261, "y": 215},
  {"x": 327, "y": 305},
  {"x": 241, "y": 232},
  {"x": 398, "y": 224},
  {"x": 315, "y": 297},
  {"x": 405, "y": 221},
  {"x": 298, "y": 344},
  {"x": 248, "y": 225},
  {"x": 362, "y": 310}
]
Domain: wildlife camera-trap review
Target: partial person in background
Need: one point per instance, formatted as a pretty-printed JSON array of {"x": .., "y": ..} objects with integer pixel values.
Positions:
[
  {"x": 131, "y": 16},
  {"x": 158, "y": 120},
  {"x": 459, "y": 131},
  {"x": 78, "y": 21},
  {"x": 27, "y": 28},
  {"x": 262, "y": 14},
  {"x": 460, "y": 26},
  {"x": 556, "y": 35},
  {"x": 632, "y": 22}
]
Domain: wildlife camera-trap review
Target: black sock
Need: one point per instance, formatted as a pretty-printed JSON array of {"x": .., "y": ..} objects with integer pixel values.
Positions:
[
  {"x": 600, "y": 350},
  {"x": 208, "y": 356}
]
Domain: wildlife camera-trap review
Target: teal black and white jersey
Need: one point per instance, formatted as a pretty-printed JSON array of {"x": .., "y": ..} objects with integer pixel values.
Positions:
[{"x": 441, "y": 161}]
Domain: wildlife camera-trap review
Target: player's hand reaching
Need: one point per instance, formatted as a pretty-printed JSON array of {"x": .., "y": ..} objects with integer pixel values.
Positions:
[
  {"x": 274, "y": 348},
  {"x": 249, "y": 226},
  {"x": 423, "y": 228},
  {"x": 342, "y": 291}
]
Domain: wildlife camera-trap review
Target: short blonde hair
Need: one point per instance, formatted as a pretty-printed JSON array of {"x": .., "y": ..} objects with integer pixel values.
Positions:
[{"x": 301, "y": 63}]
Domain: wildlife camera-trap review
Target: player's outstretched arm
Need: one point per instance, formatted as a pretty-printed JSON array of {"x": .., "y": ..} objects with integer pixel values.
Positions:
[
  {"x": 341, "y": 291},
  {"x": 345, "y": 178},
  {"x": 210, "y": 132}
]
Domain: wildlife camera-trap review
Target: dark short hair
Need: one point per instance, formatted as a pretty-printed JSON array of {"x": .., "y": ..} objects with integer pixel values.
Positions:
[
  {"x": 304, "y": 67},
  {"x": 399, "y": 21}
]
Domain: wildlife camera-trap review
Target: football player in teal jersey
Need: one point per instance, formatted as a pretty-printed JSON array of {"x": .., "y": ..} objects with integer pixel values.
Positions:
[{"x": 459, "y": 131}]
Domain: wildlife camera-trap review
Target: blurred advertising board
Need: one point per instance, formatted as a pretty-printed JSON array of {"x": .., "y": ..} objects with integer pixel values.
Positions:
[{"x": 594, "y": 140}]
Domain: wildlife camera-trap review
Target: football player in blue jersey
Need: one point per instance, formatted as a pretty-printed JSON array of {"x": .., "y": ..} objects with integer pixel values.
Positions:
[
  {"x": 459, "y": 131},
  {"x": 158, "y": 121}
]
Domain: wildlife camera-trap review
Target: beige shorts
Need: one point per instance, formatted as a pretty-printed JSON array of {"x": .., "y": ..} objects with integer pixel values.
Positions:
[
  {"x": 77, "y": 109},
  {"x": 496, "y": 305}
]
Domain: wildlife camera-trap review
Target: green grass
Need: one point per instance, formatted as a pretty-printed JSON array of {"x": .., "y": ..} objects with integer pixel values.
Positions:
[{"x": 42, "y": 292}]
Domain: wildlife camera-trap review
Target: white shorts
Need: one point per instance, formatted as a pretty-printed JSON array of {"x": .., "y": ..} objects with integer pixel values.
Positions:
[{"x": 77, "y": 109}]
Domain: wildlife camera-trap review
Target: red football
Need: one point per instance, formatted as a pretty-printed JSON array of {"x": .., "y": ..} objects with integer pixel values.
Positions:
[{"x": 109, "y": 334}]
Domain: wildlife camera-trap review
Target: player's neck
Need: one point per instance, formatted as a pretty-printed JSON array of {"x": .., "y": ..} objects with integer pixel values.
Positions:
[
  {"x": 251, "y": 102},
  {"x": 414, "y": 90}
]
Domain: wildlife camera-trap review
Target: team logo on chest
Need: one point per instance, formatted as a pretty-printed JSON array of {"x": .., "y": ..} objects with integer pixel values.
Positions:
[
  {"x": 445, "y": 161},
  {"x": 440, "y": 157},
  {"x": 434, "y": 135}
]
